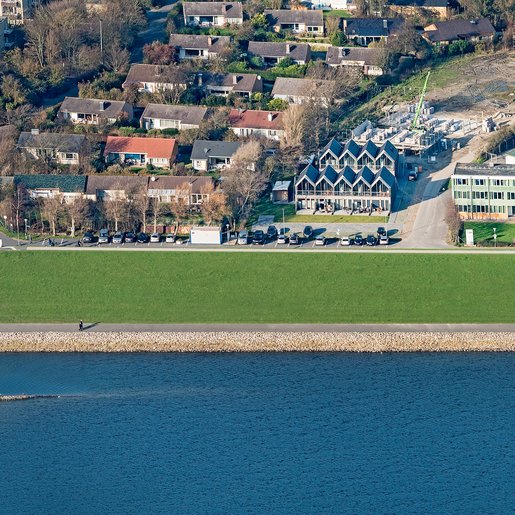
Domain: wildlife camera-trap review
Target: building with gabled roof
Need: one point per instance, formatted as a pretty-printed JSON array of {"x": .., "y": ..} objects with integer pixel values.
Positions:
[
  {"x": 249, "y": 122},
  {"x": 242, "y": 84},
  {"x": 300, "y": 91},
  {"x": 165, "y": 116},
  {"x": 368, "y": 60},
  {"x": 93, "y": 111},
  {"x": 158, "y": 152},
  {"x": 154, "y": 77},
  {"x": 212, "y": 14},
  {"x": 66, "y": 186},
  {"x": 308, "y": 22},
  {"x": 434, "y": 8},
  {"x": 364, "y": 31},
  {"x": 213, "y": 155},
  {"x": 199, "y": 46},
  {"x": 169, "y": 188},
  {"x": 445, "y": 32},
  {"x": 273, "y": 53}
]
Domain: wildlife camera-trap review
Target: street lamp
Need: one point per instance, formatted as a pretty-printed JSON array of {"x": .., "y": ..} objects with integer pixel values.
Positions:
[
  {"x": 495, "y": 237},
  {"x": 25, "y": 220}
]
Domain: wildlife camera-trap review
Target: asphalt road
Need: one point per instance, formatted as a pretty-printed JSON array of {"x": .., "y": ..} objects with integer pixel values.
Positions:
[{"x": 301, "y": 328}]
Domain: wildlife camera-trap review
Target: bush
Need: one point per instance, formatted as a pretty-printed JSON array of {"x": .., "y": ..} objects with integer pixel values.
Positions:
[
  {"x": 460, "y": 47},
  {"x": 215, "y": 101},
  {"x": 126, "y": 131},
  {"x": 170, "y": 132},
  {"x": 338, "y": 39}
]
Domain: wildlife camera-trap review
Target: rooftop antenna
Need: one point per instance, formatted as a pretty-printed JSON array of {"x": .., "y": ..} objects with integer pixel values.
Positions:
[{"x": 414, "y": 124}]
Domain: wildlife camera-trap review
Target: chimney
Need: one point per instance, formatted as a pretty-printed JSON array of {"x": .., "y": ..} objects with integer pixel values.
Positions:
[
  {"x": 102, "y": 106},
  {"x": 270, "y": 116},
  {"x": 385, "y": 24},
  {"x": 235, "y": 79},
  {"x": 209, "y": 41},
  {"x": 227, "y": 7},
  {"x": 288, "y": 48},
  {"x": 199, "y": 79},
  {"x": 34, "y": 131}
]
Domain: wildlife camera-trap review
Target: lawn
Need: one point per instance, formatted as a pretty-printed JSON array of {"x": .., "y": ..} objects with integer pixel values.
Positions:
[
  {"x": 337, "y": 13},
  {"x": 484, "y": 231},
  {"x": 217, "y": 287}
]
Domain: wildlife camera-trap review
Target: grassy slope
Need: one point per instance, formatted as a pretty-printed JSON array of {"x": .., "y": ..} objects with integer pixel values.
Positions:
[
  {"x": 166, "y": 287},
  {"x": 485, "y": 231}
]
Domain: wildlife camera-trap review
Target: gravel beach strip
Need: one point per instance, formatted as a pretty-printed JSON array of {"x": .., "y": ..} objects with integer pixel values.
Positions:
[{"x": 257, "y": 341}]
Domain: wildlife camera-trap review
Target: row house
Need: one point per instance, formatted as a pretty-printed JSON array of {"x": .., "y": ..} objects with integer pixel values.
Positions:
[
  {"x": 305, "y": 22},
  {"x": 90, "y": 111},
  {"x": 192, "y": 46},
  {"x": 273, "y": 53},
  {"x": 247, "y": 122},
  {"x": 165, "y": 116},
  {"x": 212, "y": 14},
  {"x": 158, "y": 152}
]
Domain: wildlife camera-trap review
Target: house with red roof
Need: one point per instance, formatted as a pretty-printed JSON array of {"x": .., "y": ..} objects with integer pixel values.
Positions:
[
  {"x": 159, "y": 152},
  {"x": 248, "y": 122}
]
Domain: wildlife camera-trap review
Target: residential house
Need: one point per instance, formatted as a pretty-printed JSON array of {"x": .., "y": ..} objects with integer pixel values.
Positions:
[
  {"x": 306, "y": 22},
  {"x": 368, "y": 60},
  {"x": 273, "y": 53},
  {"x": 90, "y": 111},
  {"x": 281, "y": 192},
  {"x": 364, "y": 31},
  {"x": 300, "y": 91},
  {"x": 212, "y": 14},
  {"x": 193, "y": 188},
  {"x": 59, "y": 148},
  {"x": 153, "y": 78},
  {"x": 16, "y": 11},
  {"x": 158, "y": 152},
  {"x": 247, "y": 122},
  {"x": 69, "y": 187},
  {"x": 242, "y": 84},
  {"x": 193, "y": 46},
  {"x": 349, "y": 177},
  {"x": 104, "y": 187},
  {"x": 445, "y": 32},
  {"x": 164, "y": 116},
  {"x": 429, "y": 8},
  {"x": 213, "y": 155},
  {"x": 484, "y": 191}
]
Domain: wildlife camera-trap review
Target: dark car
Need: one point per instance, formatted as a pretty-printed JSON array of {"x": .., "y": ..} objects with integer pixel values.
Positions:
[
  {"x": 143, "y": 238},
  {"x": 308, "y": 231},
  {"x": 358, "y": 240},
  {"x": 381, "y": 231},
  {"x": 258, "y": 238},
  {"x": 371, "y": 240},
  {"x": 89, "y": 237},
  {"x": 412, "y": 175},
  {"x": 294, "y": 239},
  {"x": 271, "y": 232},
  {"x": 130, "y": 237}
]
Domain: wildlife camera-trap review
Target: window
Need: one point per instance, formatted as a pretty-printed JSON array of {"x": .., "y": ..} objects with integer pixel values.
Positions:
[
  {"x": 499, "y": 182},
  {"x": 479, "y": 182},
  {"x": 480, "y": 194},
  {"x": 497, "y": 195},
  {"x": 170, "y": 124},
  {"x": 511, "y": 195},
  {"x": 461, "y": 182},
  {"x": 69, "y": 155}
]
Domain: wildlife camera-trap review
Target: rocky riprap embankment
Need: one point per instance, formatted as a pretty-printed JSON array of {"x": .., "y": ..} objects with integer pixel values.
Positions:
[{"x": 256, "y": 341}]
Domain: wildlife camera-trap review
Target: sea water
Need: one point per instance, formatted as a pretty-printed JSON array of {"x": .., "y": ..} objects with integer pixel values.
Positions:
[{"x": 257, "y": 433}]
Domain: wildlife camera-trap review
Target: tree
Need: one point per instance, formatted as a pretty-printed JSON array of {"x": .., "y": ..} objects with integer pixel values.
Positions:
[
  {"x": 294, "y": 122},
  {"x": 50, "y": 210},
  {"x": 453, "y": 221},
  {"x": 159, "y": 53},
  {"x": 116, "y": 58},
  {"x": 214, "y": 204},
  {"x": 156, "y": 208},
  {"x": 77, "y": 211},
  {"x": 180, "y": 206},
  {"x": 115, "y": 207},
  {"x": 138, "y": 205}
]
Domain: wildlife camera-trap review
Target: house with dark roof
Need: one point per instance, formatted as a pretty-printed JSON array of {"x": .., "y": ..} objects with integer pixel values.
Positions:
[
  {"x": 242, "y": 84},
  {"x": 195, "y": 189},
  {"x": 102, "y": 187},
  {"x": 350, "y": 177},
  {"x": 432, "y": 8},
  {"x": 273, "y": 53},
  {"x": 212, "y": 14},
  {"x": 91, "y": 111},
  {"x": 445, "y": 32},
  {"x": 368, "y": 60},
  {"x": 65, "y": 149},
  {"x": 213, "y": 155},
  {"x": 306, "y": 22},
  {"x": 193, "y": 46},
  {"x": 158, "y": 152},
  {"x": 165, "y": 116},
  {"x": 154, "y": 77},
  {"x": 300, "y": 91},
  {"x": 248, "y": 122},
  {"x": 68, "y": 187},
  {"x": 364, "y": 31}
]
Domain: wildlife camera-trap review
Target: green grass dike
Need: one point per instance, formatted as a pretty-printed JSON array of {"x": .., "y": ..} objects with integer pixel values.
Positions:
[{"x": 259, "y": 287}]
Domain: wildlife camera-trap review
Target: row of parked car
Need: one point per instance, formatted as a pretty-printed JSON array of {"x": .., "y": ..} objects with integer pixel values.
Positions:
[
  {"x": 127, "y": 237},
  {"x": 260, "y": 237}
]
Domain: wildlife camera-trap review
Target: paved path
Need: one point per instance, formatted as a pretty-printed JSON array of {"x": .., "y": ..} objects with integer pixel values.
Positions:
[{"x": 390, "y": 328}]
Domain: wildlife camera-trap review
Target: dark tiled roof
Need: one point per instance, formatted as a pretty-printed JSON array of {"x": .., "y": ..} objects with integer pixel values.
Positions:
[
  {"x": 365, "y": 174},
  {"x": 227, "y": 9},
  {"x": 202, "y": 149},
  {"x": 386, "y": 176},
  {"x": 372, "y": 27},
  {"x": 106, "y": 108},
  {"x": 472, "y": 169},
  {"x": 458, "y": 29},
  {"x": 65, "y": 183},
  {"x": 308, "y": 17},
  {"x": 196, "y": 184},
  {"x": 191, "y": 115},
  {"x": 52, "y": 140},
  {"x": 368, "y": 56},
  {"x": 297, "y": 87},
  {"x": 114, "y": 182},
  {"x": 424, "y": 4},
  {"x": 296, "y": 51},
  {"x": 310, "y": 172},
  {"x": 212, "y": 43},
  {"x": 151, "y": 73},
  {"x": 245, "y": 82},
  {"x": 334, "y": 146}
]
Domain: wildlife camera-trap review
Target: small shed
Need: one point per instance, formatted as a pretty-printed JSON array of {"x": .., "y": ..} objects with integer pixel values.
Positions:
[
  {"x": 281, "y": 192},
  {"x": 206, "y": 236}
]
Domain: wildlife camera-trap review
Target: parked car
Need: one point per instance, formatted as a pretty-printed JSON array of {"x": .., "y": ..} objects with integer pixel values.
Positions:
[
  {"x": 89, "y": 237},
  {"x": 295, "y": 239},
  {"x": 282, "y": 239},
  {"x": 142, "y": 238},
  {"x": 271, "y": 232},
  {"x": 103, "y": 236},
  {"x": 259, "y": 238},
  {"x": 170, "y": 238},
  {"x": 130, "y": 237},
  {"x": 345, "y": 241},
  {"x": 371, "y": 240},
  {"x": 384, "y": 240},
  {"x": 320, "y": 241},
  {"x": 118, "y": 237},
  {"x": 155, "y": 237},
  {"x": 358, "y": 240},
  {"x": 412, "y": 175},
  {"x": 380, "y": 231},
  {"x": 308, "y": 231},
  {"x": 243, "y": 237}
]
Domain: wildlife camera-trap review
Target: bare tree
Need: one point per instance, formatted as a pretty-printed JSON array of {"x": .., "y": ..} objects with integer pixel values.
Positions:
[
  {"x": 156, "y": 208},
  {"x": 115, "y": 207},
  {"x": 50, "y": 211},
  {"x": 77, "y": 211},
  {"x": 294, "y": 123},
  {"x": 214, "y": 204},
  {"x": 453, "y": 221},
  {"x": 138, "y": 206},
  {"x": 180, "y": 206}
]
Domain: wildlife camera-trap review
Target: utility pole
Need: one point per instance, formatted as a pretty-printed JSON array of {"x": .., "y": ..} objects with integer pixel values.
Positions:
[{"x": 101, "y": 43}]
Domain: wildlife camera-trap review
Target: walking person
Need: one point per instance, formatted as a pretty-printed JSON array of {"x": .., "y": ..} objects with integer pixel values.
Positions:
[{"x": 81, "y": 326}]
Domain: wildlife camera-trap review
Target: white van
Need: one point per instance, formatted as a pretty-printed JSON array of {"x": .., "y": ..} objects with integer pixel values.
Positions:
[{"x": 243, "y": 237}]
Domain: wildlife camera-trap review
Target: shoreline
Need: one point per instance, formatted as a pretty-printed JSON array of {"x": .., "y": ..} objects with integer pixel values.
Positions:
[{"x": 258, "y": 341}]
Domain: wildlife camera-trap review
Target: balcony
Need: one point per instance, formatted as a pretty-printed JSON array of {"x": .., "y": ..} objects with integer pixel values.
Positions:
[{"x": 311, "y": 193}]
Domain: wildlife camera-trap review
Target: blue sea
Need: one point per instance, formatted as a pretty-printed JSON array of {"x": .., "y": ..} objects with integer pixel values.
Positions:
[{"x": 258, "y": 433}]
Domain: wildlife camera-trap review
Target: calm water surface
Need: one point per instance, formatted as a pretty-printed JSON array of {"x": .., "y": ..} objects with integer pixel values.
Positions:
[{"x": 255, "y": 433}]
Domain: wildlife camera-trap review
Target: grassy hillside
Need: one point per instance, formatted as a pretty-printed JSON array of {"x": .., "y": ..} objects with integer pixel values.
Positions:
[{"x": 196, "y": 287}]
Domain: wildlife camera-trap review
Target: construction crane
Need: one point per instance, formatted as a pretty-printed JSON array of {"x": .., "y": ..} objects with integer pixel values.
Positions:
[{"x": 414, "y": 123}]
